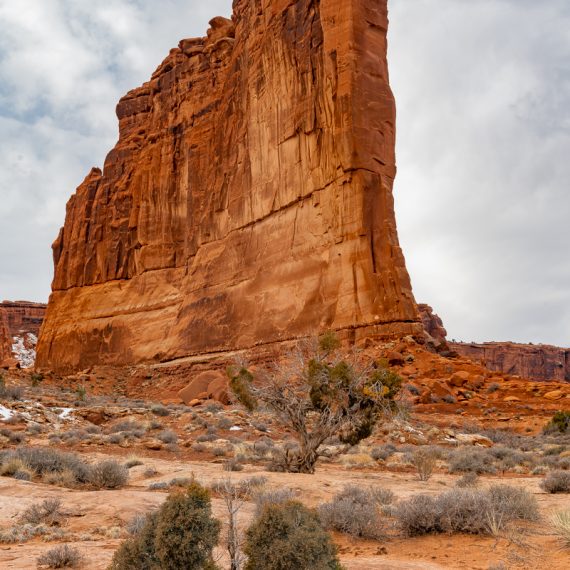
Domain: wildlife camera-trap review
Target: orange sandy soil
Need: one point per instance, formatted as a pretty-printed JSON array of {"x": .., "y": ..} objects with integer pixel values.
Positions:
[
  {"x": 100, "y": 513},
  {"x": 441, "y": 403}
]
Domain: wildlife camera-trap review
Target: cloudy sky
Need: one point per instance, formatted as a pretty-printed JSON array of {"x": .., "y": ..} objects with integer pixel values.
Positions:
[{"x": 483, "y": 189}]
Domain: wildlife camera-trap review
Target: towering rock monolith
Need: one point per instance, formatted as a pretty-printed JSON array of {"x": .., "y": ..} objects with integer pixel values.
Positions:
[{"x": 247, "y": 201}]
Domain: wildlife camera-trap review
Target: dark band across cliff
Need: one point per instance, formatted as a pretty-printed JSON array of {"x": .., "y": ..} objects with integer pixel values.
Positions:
[{"x": 247, "y": 201}]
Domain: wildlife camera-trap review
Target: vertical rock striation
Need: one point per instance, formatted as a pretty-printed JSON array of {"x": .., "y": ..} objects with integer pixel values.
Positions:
[{"x": 248, "y": 199}]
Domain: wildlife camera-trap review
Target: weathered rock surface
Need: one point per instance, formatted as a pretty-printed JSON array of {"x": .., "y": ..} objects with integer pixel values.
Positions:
[
  {"x": 23, "y": 316},
  {"x": 5, "y": 338},
  {"x": 432, "y": 323},
  {"x": 536, "y": 361},
  {"x": 20, "y": 323},
  {"x": 248, "y": 200}
]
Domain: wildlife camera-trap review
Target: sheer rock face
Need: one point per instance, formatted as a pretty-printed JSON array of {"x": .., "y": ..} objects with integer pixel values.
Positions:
[
  {"x": 248, "y": 200},
  {"x": 536, "y": 361}
]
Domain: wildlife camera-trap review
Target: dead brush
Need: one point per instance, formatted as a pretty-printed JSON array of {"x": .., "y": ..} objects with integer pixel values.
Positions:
[
  {"x": 63, "y": 556},
  {"x": 424, "y": 460},
  {"x": 560, "y": 522},
  {"x": 48, "y": 512}
]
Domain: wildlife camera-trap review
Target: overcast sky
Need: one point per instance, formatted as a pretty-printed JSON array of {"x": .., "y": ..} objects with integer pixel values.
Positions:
[{"x": 483, "y": 187}]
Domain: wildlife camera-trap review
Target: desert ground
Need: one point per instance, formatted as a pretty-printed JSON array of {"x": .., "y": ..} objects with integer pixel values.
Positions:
[{"x": 495, "y": 432}]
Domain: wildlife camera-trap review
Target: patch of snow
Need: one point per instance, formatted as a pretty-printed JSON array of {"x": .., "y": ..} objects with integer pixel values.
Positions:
[
  {"x": 235, "y": 428},
  {"x": 5, "y": 413},
  {"x": 65, "y": 412},
  {"x": 24, "y": 349}
]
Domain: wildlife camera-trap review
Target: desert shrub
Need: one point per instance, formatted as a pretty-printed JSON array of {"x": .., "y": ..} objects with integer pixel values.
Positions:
[
  {"x": 47, "y": 512},
  {"x": 14, "y": 437},
  {"x": 137, "y": 523},
  {"x": 138, "y": 552},
  {"x": 213, "y": 407},
  {"x": 317, "y": 394},
  {"x": 159, "y": 410},
  {"x": 133, "y": 462},
  {"x": 413, "y": 390},
  {"x": 10, "y": 392},
  {"x": 19, "y": 534},
  {"x": 289, "y": 535},
  {"x": 219, "y": 451},
  {"x": 225, "y": 423},
  {"x": 198, "y": 447},
  {"x": 116, "y": 438},
  {"x": 470, "y": 479},
  {"x": 260, "y": 426},
  {"x": 472, "y": 459},
  {"x": 424, "y": 460},
  {"x": 150, "y": 472},
  {"x": 560, "y": 522},
  {"x": 181, "y": 534},
  {"x": 108, "y": 474},
  {"x": 419, "y": 515},
  {"x": 36, "y": 378},
  {"x": 493, "y": 387},
  {"x": 44, "y": 461},
  {"x": 354, "y": 511},
  {"x": 181, "y": 482},
  {"x": 261, "y": 448},
  {"x": 272, "y": 497},
  {"x": 560, "y": 423},
  {"x": 556, "y": 482},
  {"x": 465, "y": 510},
  {"x": 167, "y": 436},
  {"x": 207, "y": 437},
  {"x": 232, "y": 465},
  {"x": 23, "y": 475},
  {"x": 186, "y": 532},
  {"x": 513, "y": 503},
  {"x": 63, "y": 556},
  {"x": 383, "y": 452}
]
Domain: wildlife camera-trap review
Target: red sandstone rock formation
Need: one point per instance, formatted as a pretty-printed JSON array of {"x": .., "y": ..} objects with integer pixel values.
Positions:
[
  {"x": 432, "y": 323},
  {"x": 20, "y": 323},
  {"x": 23, "y": 316},
  {"x": 248, "y": 200},
  {"x": 5, "y": 338},
  {"x": 537, "y": 361}
]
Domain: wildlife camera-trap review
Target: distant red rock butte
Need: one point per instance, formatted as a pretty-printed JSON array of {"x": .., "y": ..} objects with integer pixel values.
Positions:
[
  {"x": 533, "y": 361},
  {"x": 17, "y": 318}
]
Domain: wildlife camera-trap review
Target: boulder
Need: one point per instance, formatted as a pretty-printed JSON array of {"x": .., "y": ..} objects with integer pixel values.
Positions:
[{"x": 208, "y": 384}]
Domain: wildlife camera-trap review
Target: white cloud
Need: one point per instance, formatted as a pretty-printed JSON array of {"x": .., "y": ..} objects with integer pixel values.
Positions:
[
  {"x": 482, "y": 196},
  {"x": 483, "y": 93}
]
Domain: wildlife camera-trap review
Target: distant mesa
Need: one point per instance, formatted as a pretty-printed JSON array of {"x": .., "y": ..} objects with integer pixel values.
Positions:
[
  {"x": 533, "y": 361},
  {"x": 248, "y": 200}
]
